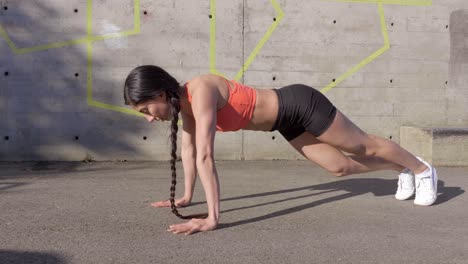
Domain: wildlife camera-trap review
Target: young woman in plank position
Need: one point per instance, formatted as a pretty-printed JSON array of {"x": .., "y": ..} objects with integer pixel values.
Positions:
[{"x": 304, "y": 116}]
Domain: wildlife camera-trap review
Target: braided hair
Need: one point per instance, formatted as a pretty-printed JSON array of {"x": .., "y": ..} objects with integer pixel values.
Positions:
[{"x": 145, "y": 83}]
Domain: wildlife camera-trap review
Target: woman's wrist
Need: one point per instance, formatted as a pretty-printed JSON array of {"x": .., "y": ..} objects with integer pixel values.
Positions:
[
  {"x": 188, "y": 197},
  {"x": 213, "y": 222},
  {"x": 213, "y": 218}
]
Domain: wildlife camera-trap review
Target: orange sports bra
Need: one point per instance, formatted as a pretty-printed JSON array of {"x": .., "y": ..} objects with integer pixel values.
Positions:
[{"x": 239, "y": 109}]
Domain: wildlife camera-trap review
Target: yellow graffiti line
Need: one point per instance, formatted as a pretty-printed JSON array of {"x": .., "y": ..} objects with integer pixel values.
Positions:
[
  {"x": 370, "y": 58},
  {"x": 4, "y": 35},
  {"x": 254, "y": 53},
  {"x": 82, "y": 40},
  {"x": 389, "y": 2},
  {"x": 89, "y": 88},
  {"x": 52, "y": 46},
  {"x": 123, "y": 110},
  {"x": 262, "y": 42},
  {"x": 89, "y": 39},
  {"x": 89, "y": 57}
]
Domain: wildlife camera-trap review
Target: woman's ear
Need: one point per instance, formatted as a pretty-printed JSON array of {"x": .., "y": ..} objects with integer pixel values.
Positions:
[{"x": 163, "y": 96}]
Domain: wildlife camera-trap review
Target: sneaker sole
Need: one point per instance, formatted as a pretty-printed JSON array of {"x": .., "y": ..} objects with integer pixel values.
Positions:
[{"x": 404, "y": 197}]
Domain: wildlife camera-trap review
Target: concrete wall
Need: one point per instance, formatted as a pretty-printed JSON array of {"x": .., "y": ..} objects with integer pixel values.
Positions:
[{"x": 63, "y": 63}]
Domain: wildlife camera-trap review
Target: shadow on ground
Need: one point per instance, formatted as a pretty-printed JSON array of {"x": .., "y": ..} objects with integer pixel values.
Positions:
[
  {"x": 29, "y": 257},
  {"x": 353, "y": 187}
]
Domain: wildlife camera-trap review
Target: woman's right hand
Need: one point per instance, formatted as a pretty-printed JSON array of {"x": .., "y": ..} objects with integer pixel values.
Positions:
[{"x": 181, "y": 202}]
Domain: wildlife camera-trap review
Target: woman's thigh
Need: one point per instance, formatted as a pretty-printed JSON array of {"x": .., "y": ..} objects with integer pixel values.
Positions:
[
  {"x": 345, "y": 135},
  {"x": 324, "y": 155}
]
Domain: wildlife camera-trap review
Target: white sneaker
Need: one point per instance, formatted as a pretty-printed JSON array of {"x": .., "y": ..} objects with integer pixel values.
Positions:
[
  {"x": 405, "y": 185},
  {"x": 426, "y": 186}
]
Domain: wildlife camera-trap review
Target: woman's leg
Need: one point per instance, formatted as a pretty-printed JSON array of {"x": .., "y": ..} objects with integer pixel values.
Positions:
[
  {"x": 334, "y": 161},
  {"x": 345, "y": 135}
]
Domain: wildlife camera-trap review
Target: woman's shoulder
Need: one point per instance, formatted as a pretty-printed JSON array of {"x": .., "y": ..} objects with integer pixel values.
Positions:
[
  {"x": 207, "y": 79},
  {"x": 205, "y": 82}
]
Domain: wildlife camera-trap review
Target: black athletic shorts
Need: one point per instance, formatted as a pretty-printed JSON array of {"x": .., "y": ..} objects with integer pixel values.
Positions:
[{"x": 302, "y": 108}]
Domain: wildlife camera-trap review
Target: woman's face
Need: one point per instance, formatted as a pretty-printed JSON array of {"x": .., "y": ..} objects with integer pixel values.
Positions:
[{"x": 156, "y": 109}]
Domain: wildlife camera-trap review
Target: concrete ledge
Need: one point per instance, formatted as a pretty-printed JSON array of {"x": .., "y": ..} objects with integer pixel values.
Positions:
[{"x": 439, "y": 146}]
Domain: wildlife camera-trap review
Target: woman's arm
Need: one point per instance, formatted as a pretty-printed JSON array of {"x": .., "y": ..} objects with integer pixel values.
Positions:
[
  {"x": 204, "y": 101},
  {"x": 189, "y": 155}
]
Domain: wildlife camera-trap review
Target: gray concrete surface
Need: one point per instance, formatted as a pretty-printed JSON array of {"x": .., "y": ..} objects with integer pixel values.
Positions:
[
  {"x": 438, "y": 146},
  {"x": 272, "y": 212},
  {"x": 420, "y": 80}
]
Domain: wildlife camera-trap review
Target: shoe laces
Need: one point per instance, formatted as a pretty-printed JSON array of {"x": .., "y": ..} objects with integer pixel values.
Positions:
[
  {"x": 405, "y": 181},
  {"x": 424, "y": 184}
]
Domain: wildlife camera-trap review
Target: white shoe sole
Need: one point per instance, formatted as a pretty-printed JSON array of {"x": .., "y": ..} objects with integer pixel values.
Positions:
[{"x": 405, "y": 197}]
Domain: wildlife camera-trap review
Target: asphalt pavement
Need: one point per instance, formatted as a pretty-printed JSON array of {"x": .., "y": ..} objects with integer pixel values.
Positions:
[{"x": 271, "y": 212}]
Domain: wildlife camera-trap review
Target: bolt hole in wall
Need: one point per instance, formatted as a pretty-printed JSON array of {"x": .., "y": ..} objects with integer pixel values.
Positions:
[
  {"x": 5, "y": 8},
  {"x": 77, "y": 74},
  {"x": 6, "y": 73},
  {"x": 144, "y": 138},
  {"x": 274, "y": 78},
  {"x": 210, "y": 16},
  {"x": 273, "y": 137},
  {"x": 75, "y": 10},
  {"x": 6, "y": 138},
  {"x": 391, "y": 24},
  {"x": 145, "y": 12},
  {"x": 77, "y": 138},
  {"x": 334, "y": 21},
  {"x": 391, "y": 80}
]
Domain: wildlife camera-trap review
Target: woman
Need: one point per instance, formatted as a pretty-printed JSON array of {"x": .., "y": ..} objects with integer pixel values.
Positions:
[{"x": 304, "y": 116}]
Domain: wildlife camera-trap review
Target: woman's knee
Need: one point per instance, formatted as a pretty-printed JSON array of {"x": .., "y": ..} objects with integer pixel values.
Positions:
[
  {"x": 341, "y": 169},
  {"x": 376, "y": 145}
]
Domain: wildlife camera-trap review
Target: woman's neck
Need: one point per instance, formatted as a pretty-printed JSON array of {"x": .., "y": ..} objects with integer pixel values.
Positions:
[{"x": 184, "y": 103}]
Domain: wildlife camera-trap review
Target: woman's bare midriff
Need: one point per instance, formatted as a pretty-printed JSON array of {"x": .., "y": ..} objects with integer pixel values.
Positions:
[{"x": 265, "y": 112}]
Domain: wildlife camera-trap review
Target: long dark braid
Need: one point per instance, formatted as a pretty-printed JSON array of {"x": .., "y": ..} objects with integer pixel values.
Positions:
[
  {"x": 146, "y": 82},
  {"x": 174, "y": 101},
  {"x": 175, "y": 105}
]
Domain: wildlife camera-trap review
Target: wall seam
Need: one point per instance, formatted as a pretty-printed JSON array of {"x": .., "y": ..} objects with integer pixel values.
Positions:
[{"x": 242, "y": 156}]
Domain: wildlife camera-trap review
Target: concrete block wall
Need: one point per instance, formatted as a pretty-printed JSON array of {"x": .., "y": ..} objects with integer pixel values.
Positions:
[
  {"x": 419, "y": 80},
  {"x": 438, "y": 146}
]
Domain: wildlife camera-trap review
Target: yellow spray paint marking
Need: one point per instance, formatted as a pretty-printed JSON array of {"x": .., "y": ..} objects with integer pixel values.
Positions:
[
  {"x": 257, "y": 48},
  {"x": 88, "y": 40},
  {"x": 367, "y": 60},
  {"x": 262, "y": 42},
  {"x": 268, "y": 34},
  {"x": 383, "y": 27},
  {"x": 89, "y": 52}
]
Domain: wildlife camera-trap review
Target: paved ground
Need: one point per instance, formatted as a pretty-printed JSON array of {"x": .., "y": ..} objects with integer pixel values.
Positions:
[{"x": 272, "y": 212}]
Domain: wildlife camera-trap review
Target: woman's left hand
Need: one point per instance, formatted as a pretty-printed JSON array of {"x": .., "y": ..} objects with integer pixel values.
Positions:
[{"x": 193, "y": 226}]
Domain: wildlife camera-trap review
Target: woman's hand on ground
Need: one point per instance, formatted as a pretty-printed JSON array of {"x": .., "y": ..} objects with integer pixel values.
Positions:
[
  {"x": 181, "y": 202},
  {"x": 193, "y": 226}
]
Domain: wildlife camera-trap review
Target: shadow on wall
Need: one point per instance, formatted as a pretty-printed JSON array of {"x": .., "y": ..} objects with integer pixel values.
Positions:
[
  {"x": 43, "y": 109},
  {"x": 21, "y": 257}
]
